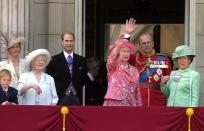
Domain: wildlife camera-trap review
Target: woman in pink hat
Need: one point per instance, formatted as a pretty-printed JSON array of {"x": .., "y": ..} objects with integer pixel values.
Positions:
[
  {"x": 16, "y": 65},
  {"x": 122, "y": 77}
]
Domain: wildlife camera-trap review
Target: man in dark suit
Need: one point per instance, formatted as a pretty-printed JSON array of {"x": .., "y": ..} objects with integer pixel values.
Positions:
[
  {"x": 93, "y": 82},
  {"x": 69, "y": 72}
]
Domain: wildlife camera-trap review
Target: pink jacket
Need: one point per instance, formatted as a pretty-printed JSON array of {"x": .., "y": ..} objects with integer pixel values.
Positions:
[{"x": 122, "y": 80}]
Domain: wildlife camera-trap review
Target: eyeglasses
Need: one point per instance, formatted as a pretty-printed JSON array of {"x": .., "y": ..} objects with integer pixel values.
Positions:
[{"x": 146, "y": 43}]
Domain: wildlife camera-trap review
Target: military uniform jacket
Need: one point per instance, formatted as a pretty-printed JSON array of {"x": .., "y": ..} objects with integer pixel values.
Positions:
[{"x": 151, "y": 68}]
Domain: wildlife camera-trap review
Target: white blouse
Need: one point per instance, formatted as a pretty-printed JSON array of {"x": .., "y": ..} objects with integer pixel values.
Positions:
[{"x": 47, "y": 85}]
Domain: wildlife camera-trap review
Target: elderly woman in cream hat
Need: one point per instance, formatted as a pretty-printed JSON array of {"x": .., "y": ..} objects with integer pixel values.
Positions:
[
  {"x": 182, "y": 88},
  {"x": 35, "y": 86},
  {"x": 14, "y": 63}
]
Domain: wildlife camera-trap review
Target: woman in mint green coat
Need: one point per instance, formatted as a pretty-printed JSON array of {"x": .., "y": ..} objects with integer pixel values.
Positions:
[{"x": 182, "y": 88}]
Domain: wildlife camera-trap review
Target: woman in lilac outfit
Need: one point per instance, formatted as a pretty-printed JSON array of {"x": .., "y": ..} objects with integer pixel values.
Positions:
[{"x": 122, "y": 77}]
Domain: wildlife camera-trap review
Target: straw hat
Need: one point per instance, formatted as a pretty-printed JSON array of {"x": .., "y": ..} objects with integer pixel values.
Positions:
[
  {"x": 182, "y": 50},
  {"x": 16, "y": 40},
  {"x": 32, "y": 55},
  {"x": 9, "y": 41}
]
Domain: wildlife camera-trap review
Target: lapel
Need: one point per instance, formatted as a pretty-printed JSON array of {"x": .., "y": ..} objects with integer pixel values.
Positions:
[
  {"x": 75, "y": 64},
  {"x": 8, "y": 93},
  {"x": 11, "y": 67},
  {"x": 1, "y": 94},
  {"x": 22, "y": 67},
  {"x": 63, "y": 61},
  {"x": 1, "y": 90}
]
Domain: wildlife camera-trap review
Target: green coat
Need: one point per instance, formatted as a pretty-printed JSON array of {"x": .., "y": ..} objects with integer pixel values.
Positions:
[{"x": 178, "y": 90}]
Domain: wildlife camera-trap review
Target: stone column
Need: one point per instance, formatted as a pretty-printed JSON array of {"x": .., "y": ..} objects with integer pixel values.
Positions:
[
  {"x": 78, "y": 28},
  {"x": 199, "y": 44},
  {"x": 65, "y": 15},
  {"x": 195, "y": 36},
  {"x": 192, "y": 27},
  {"x": 14, "y": 20}
]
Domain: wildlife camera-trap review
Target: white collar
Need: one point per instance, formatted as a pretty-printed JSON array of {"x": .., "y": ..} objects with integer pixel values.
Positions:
[
  {"x": 5, "y": 89},
  {"x": 90, "y": 76},
  {"x": 66, "y": 54}
]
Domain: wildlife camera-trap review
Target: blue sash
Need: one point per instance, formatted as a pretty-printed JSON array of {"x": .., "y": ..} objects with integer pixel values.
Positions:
[{"x": 144, "y": 77}]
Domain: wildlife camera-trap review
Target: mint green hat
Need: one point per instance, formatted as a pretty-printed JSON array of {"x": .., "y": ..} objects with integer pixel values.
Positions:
[{"x": 182, "y": 50}]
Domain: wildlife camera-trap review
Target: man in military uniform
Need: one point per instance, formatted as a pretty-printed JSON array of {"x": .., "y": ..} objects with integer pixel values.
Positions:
[{"x": 151, "y": 66}]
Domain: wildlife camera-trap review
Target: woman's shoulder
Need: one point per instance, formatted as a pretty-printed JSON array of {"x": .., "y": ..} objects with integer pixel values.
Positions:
[
  {"x": 22, "y": 60},
  {"x": 6, "y": 65},
  {"x": 4, "y": 62},
  {"x": 47, "y": 76},
  {"x": 26, "y": 74},
  {"x": 174, "y": 71},
  {"x": 133, "y": 67},
  {"x": 195, "y": 73},
  {"x": 12, "y": 88}
]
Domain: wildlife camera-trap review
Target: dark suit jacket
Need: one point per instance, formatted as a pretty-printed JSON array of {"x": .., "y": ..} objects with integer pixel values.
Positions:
[
  {"x": 96, "y": 90},
  {"x": 11, "y": 95},
  {"x": 92, "y": 92},
  {"x": 58, "y": 69}
]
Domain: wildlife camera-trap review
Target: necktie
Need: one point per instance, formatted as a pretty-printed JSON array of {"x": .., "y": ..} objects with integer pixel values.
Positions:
[
  {"x": 69, "y": 60},
  {"x": 5, "y": 95}
]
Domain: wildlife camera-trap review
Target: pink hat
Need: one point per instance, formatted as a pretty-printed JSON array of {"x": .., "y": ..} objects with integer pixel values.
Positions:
[{"x": 126, "y": 43}]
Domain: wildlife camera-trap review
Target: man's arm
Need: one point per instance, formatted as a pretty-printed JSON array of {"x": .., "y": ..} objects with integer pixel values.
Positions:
[{"x": 50, "y": 68}]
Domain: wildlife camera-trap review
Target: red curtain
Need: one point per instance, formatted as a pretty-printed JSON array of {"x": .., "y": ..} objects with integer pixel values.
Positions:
[{"x": 49, "y": 118}]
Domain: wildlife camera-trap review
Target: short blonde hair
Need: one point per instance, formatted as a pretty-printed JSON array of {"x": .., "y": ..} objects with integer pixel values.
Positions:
[{"x": 5, "y": 72}]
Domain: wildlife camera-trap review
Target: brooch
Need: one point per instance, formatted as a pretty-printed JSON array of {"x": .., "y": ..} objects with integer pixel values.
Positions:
[
  {"x": 177, "y": 77},
  {"x": 156, "y": 77},
  {"x": 159, "y": 72}
]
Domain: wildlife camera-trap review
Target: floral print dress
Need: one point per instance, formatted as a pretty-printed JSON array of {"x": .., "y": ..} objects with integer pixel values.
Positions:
[{"x": 122, "y": 83}]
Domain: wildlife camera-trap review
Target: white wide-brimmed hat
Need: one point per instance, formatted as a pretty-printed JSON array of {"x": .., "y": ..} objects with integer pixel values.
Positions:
[
  {"x": 32, "y": 55},
  {"x": 9, "y": 41}
]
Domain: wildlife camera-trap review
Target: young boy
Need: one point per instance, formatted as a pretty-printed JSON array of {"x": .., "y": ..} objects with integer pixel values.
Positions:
[{"x": 8, "y": 95}]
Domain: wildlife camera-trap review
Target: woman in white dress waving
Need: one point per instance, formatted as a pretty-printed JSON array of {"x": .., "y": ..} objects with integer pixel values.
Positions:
[{"x": 36, "y": 87}]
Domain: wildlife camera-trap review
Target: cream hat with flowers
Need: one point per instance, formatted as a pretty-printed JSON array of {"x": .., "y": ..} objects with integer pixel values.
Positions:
[
  {"x": 9, "y": 41},
  {"x": 14, "y": 40}
]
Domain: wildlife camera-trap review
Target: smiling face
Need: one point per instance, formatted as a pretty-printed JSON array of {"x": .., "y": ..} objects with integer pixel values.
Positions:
[
  {"x": 183, "y": 62},
  {"x": 38, "y": 63},
  {"x": 14, "y": 51},
  {"x": 68, "y": 42},
  {"x": 146, "y": 43},
  {"x": 124, "y": 54}
]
